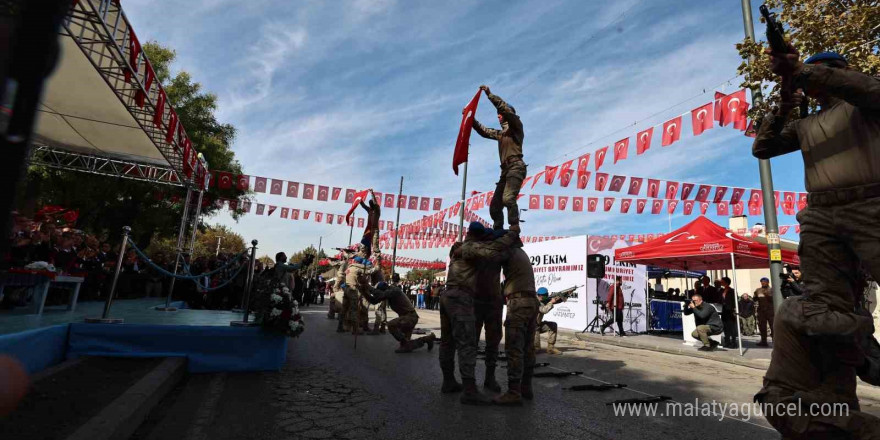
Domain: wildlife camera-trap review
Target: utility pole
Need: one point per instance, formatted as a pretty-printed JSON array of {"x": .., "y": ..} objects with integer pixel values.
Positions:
[
  {"x": 218, "y": 246},
  {"x": 770, "y": 221}
]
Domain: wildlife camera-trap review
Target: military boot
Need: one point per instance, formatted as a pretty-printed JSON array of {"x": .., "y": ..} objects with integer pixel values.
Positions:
[
  {"x": 526, "y": 386},
  {"x": 450, "y": 385},
  {"x": 375, "y": 330},
  {"x": 473, "y": 396},
  {"x": 513, "y": 396},
  {"x": 490, "y": 383},
  {"x": 339, "y": 327},
  {"x": 551, "y": 349},
  {"x": 382, "y": 328}
]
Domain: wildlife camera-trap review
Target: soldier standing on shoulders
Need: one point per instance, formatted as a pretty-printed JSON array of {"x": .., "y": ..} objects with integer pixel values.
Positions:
[
  {"x": 513, "y": 169},
  {"x": 819, "y": 338},
  {"x": 543, "y": 326}
]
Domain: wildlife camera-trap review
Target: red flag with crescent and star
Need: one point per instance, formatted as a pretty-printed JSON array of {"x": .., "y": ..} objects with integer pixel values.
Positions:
[
  {"x": 640, "y": 205},
  {"x": 460, "y": 155},
  {"x": 701, "y": 119},
  {"x": 643, "y": 140},
  {"x": 601, "y": 181},
  {"x": 671, "y": 131},
  {"x": 600, "y": 157},
  {"x": 635, "y": 185},
  {"x": 671, "y": 189},
  {"x": 621, "y": 149},
  {"x": 359, "y": 196},
  {"x": 653, "y": 188}
]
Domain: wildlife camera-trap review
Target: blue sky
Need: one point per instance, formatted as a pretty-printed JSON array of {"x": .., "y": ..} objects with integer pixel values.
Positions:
[{"x": 357, "y": 93}]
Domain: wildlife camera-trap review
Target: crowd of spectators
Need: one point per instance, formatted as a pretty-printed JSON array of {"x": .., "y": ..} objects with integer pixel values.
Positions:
[{"x": 423, "y": 293}]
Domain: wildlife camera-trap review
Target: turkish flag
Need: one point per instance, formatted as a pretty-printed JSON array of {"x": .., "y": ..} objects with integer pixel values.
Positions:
[
  {"x": 323, "y": 193},
  {"x": 635, "y": 185},
  {"x": 390, "y": 225},
  {"x": 776, "y": 198},
  {"x": 741, "y": 122},
  {"x": 550, "y": 174},
  {"x": 460, "y": 155},
  {"x": 609, "y": 202},
  {"x": 349, "y": 195},
  {"x": 438, "y": 202},
  {"x": 653, "y": 188},
  {"x": 656, "y": 206},
  {"x": 671, "y": 131},
  {"x": 624, "y": 205},
  {"x": 243, "y": 182},
  {"x": 224, "y": 180},
  {"x": 360, "y": 222},
  {"x": 308, "y": 191},
  {"x": 413, "y": 202},
  {"x": 737, "y": 208},
  {"x": 736, "y": 195},
  {"x": 306, "y": 214},
  {"x": 563, "y": 202},
  {"x": 640, "y": 205},
  {"x": 802, "y": 201},
  {"x": 578, "y": 204},
  {"x": 784, "y": 230},
  {"x": 621, "y": 149},
  {"x": 292, "y": 189},
  {"x": 616, "y": 183},
  {"x": 731, "y": 107},
  {"x": 583, "y": 179},
  {"x": 643, "y": 140},
  {"x": 592, "y": 202},
  {"x": 272, "y": 209},
  {"x": 401, "y": 201},
  {"x": 355, "y": 201},
  {"x": 720, "y": 191},
  {"x": 389, "y": 201},
  {"x": 703, "y": 207},
  {"x": 701, "y": 119},
  {"x": 797, "y": 229},
  {"x": 583, "y": 162},
  {"x": 722, "y": 208},
  {"x": 717, "y": 102},
  {"x": 246, "y": 205},
  {"x": 276, "y": 187},
  {"x": 671, "y": 205},
  {"x": 548, "y": 202},
  {"x": 294, "y": 214},
  {"x": 686, "y": 189},
  {"x": 233, "y": 205},
  {"x": 565, "y": 174},
  {"x": 600, "y": 156},
  {"x": 339, "y": 219},
  {"x": 788, "y": 203},
  {"x": 688, "y": 207},
  {"x": 260, "y": 208},
  {"x": 534, "y": 201},
  {"x": 284, "y": 212},
  {"x": 536, "y": 179},
  {"x": 336, "y": 193},
  {"x": 703, "y": 193},
  {"x": 756, "y": 198},
  {"x": 671, "y": 189},
  {"x": 754, "y": 209},
  {"x": 601, "y": 181}
]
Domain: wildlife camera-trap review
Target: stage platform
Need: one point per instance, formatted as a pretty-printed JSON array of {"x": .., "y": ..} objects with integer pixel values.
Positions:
[{"x": 204, "y": 337}]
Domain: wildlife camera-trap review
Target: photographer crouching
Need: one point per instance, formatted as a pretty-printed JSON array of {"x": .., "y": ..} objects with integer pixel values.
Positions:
[
  {"x": 548, "y": 327},
  {"x": 821, "y": 341},
  {"x": 707, "y": 320}
]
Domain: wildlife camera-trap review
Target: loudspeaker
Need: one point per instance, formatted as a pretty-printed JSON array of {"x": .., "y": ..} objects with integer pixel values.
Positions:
[{"x": 596, "y": 265}]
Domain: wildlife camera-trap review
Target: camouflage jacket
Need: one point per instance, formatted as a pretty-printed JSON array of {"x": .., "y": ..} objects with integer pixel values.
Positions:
[
  {"x": 468, "y": 258},
  {"x": 510, "y": 137},
  {"x": 518, "y": 273},
  {"x": 397, "y": 300}
]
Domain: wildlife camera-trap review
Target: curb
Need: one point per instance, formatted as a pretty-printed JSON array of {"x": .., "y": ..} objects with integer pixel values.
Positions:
[
  {"x": 121, "y": 418},
  {"x": 689, "y": 351}
]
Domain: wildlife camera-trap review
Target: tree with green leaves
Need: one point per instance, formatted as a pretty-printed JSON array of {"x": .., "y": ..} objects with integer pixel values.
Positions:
[
  {"x": 205, "y": 245},
  {"x": 849, "y": 27},
  {"x": 419, "y": 274},
  {"x": 106, "y": 204}
]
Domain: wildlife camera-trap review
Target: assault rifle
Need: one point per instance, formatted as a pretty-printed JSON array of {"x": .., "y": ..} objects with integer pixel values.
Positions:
[
  {"x": 563, "y": 294},
  {"x": 776, "y": 40}
]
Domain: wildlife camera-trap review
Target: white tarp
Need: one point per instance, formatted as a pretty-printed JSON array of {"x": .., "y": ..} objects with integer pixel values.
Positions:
[{"x": 558, "y": 265}]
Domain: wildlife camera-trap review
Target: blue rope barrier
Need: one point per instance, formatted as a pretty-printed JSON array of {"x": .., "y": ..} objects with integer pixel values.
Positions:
[
  {"x": 207, "y": 274},
  {"x": 162, "y": 270},
  {"x": 225, "y": 283}
]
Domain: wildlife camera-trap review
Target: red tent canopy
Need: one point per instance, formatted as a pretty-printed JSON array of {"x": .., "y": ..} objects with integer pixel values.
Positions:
[{"x": 702, "y": 245}]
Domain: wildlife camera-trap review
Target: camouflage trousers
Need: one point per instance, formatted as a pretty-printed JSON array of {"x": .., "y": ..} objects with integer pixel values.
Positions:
[
  {"x": 457, "y": 333},
  {"x": 519, "y": 335},
  {"x": 381, "y": 314},
  {"x": 402, "y": 327},
  {"x": 548, "y": 327},
  {"x": 852, "y": 424},
  {"x": 488, "y": 314},
  {"x": 506, "y": 193}
]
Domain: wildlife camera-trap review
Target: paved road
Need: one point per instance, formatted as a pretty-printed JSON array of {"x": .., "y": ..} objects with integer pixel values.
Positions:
[{"x": 329, "y": 389}]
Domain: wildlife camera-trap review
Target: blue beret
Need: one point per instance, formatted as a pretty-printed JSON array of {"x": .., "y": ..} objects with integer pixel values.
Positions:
[
  {"x": 382, "y": 285},
  {"x": 765, "y": 279},
  {"x": 476, "y": 228},
  {"x": 825, "y": 56},
  {"x": 543, "y": 291}
]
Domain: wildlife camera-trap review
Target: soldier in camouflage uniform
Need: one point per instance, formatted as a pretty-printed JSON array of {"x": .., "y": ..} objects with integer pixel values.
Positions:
[
  {"x": 513, "y": 169},
  {"x": 519, "y": 327},
  {"x": 548, "y": 327},
  {"x": 407, "y": 318},
  {"x": 488, "y": 311},
  {"x": 353, "y": 302},
  {"x": 820, "y": 341},
  {"x": 457, "y": 308}
]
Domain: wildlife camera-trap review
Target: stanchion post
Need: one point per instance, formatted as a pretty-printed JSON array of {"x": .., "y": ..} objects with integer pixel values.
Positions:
[
  {"x": 247, "y": 290},
  {"x": 105, "y": 319}
]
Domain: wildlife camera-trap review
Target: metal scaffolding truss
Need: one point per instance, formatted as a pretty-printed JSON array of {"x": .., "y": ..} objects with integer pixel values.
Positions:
[
  {"x": 102, "y": 32},
  {"x": 89, "y": 163}
]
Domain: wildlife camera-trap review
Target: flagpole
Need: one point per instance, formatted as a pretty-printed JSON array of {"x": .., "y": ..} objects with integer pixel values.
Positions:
[
  {"x": 463, "y": 190},
  {"x": 351, "y": 233},
  {"x": 396, "y": 230}
]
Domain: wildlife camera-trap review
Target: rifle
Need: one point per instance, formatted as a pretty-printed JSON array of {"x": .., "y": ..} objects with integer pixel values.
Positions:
[
  {"x": 776, "y": 40},
  {"x": 593, "y": 387},
  {"x": 563, "y": 294},
  {"x": 558, "y": 374},
  {"x": 637, "y": 401}
]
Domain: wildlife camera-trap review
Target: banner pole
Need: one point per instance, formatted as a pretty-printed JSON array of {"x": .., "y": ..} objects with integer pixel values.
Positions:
[
  {"x": 396, "y": 230},
  {"x": 463, "y": 192}
]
